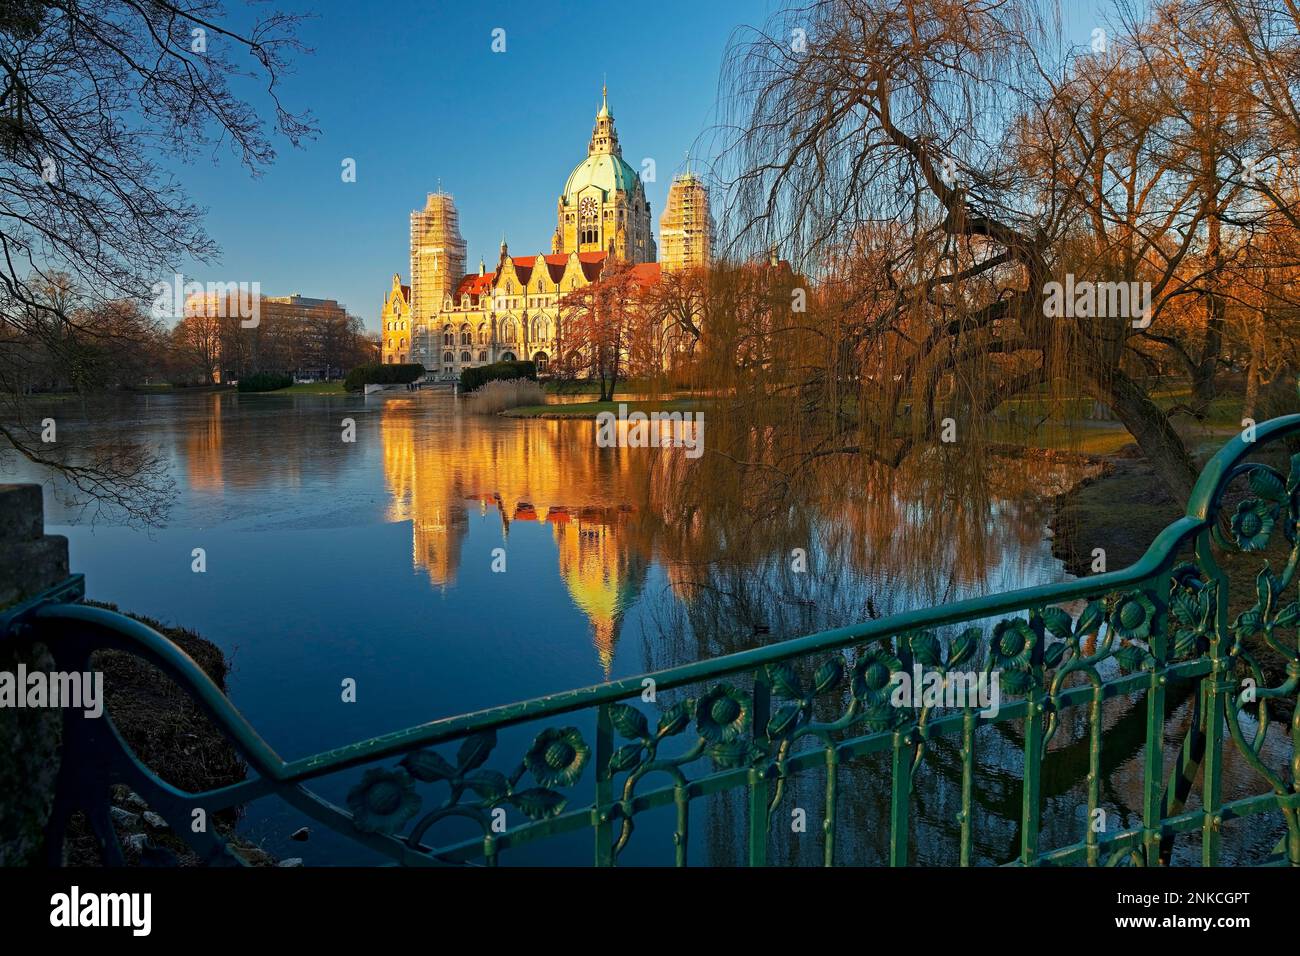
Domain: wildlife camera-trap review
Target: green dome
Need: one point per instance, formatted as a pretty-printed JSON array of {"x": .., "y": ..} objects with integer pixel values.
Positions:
[{"x": 604, "y": 170}]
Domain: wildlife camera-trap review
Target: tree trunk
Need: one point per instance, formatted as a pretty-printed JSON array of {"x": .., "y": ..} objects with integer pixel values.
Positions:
[
  {"x": 1203, "y": 390},
  {"x": 1162, "y": 446},
  {"x": 1252, "y": 386},
  {"x": 1255, "y": 335}
]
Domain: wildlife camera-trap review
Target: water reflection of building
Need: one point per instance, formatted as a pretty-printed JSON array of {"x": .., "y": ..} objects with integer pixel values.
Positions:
[
  {"x": 202, "y": 445},
  {"x": 225, "y": 444},
  {"x": 539, "y": 472},
  {"x": 603, "y": 573}
]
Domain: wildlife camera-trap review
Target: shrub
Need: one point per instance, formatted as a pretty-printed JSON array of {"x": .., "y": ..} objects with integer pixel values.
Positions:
[
  {"x": 503, "y": 393},
  {"x": 377, "y": 374},
  {"x": 265, "y": 382},
  {"x": 472, "y": 378}
]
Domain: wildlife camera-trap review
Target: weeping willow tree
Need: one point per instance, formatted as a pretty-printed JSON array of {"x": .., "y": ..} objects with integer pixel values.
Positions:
[{"x": 929, "y": 170}]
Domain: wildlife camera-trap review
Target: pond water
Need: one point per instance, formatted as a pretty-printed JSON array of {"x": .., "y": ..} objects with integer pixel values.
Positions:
[{"x": 448, "y": 562}]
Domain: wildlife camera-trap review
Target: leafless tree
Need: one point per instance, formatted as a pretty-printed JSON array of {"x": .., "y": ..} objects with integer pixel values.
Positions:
[{"x": 96, "y": 101}]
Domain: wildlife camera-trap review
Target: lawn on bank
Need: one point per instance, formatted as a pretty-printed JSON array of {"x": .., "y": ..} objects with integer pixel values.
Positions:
[{"x": 592, "y": 409}]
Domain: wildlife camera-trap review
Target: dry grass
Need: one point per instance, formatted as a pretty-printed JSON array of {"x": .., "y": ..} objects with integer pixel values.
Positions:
[{"x": 498, "y": 395}]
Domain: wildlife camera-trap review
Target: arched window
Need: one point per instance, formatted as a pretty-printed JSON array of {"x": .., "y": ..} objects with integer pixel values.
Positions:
[
  {"x": 465, "y": 337},
  {"x": 507, "y": 356},
  {"x": 482, "y": 356},
  {"x": 542, "y": 328},
  {"x": 447, "y": 337},
  {"x": 448, "y": 358},
  {"x": 464, "y": 356},
  {"x": 509, "y": 331},
  {"x": 482, "y": 335},
  {"x": 540, "y": 359}
]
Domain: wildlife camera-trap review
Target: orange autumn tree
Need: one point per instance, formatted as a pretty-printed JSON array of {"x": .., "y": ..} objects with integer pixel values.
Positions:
[{"x": 600, "y": 322}]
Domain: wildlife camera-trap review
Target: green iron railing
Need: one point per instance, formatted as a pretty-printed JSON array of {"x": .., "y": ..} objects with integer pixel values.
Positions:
[{"x": 755, "y": 721}]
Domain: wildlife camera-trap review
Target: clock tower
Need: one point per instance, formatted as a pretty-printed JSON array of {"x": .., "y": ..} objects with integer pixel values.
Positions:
[{"x": 603, "y": 207}]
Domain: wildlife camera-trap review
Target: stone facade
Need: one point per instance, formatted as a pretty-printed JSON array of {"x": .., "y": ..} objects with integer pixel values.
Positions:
[{"x": 396, "y": 321}]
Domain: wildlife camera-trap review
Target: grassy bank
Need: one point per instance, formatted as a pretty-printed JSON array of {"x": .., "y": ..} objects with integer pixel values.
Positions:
[
  {"x": 315, "y": 388},
  {"x": 585, "y": 387},
  {"x": 589, "y": 410}
]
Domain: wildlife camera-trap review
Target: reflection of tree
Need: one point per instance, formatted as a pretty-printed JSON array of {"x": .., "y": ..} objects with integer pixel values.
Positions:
[{"x": 890, "y": 542}]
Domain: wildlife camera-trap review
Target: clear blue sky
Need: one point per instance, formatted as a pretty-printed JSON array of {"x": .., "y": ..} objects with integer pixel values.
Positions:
[{"x": 414, "y": 93}]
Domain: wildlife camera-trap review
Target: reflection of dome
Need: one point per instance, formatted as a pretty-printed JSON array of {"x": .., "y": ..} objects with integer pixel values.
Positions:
[
  {"x": 603, "y": 170},
  {"x": 602, "y": 575}
]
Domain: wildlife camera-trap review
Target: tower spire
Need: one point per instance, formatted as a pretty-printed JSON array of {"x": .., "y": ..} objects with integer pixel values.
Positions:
[{"x": 604, "y": 139}]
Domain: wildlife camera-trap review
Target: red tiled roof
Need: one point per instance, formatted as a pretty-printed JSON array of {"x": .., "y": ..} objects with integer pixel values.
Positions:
[
  {"x": 474, "y": 285},
  {"x": 592, "y": 263}
]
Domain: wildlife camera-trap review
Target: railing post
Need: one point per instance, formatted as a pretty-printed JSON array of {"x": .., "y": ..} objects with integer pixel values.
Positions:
[
  {"x": 759, "y": 786},
  {"x": 1216, "y": 685},
  {"x": 604, "y": 787},
  {"x": 967, "y": 784},
  {"x": 1090, "y": 839},
  {"x": 900, "y": 797},
  {"x": 1031, "y": 803},
  {"x": 1153, "y": 775},
  {"x": 1032, "y": 792},
  {"x": 828, "y": 820}
]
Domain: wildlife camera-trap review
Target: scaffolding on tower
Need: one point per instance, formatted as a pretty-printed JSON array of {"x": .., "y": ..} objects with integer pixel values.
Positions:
[{"x": 437, "y": 255}]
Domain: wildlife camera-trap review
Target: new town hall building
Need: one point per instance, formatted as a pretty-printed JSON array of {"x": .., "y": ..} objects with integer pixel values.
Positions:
[{"x": 448, "y": 319}]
